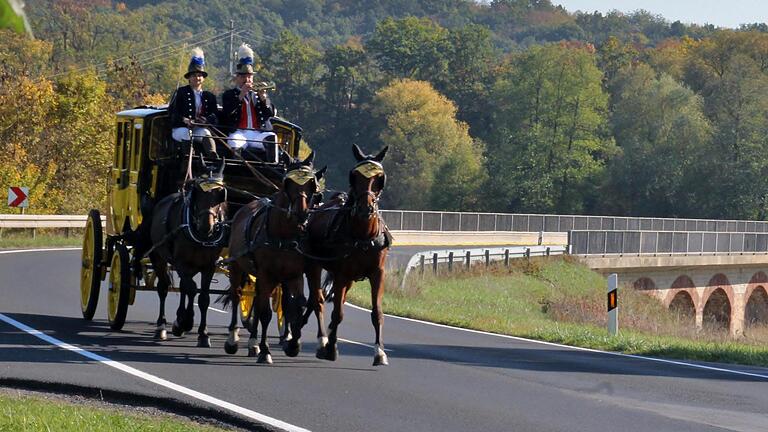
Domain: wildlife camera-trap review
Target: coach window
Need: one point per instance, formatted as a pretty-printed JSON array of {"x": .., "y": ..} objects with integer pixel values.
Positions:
[
  {"x": 126, "y": 145},
  {"x": 136, "y": 152},
  {"x": 118, "y": 145}
]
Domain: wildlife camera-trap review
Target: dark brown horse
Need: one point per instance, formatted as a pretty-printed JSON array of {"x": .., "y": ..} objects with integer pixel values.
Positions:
[
  {"x": 264, "y": 242},
  {"x": 350, "y": 241},
  {"x": 188, "y": 231}
]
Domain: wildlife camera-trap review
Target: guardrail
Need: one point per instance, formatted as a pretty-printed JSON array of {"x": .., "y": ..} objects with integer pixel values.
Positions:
[
  {"x": 33, "y": 222},
  {"x": 448, "y": 258},
  {"x": 455, "y": 221},
  {"x": 43, "y": 221},
  {"x": 635, "y": 243}
]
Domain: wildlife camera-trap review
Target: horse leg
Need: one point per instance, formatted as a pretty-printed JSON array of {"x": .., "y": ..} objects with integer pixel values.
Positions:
[
  {"x": 339, "y": 295},
  {"x": 292, "y": 319},
  {"x": 264, "y": 289},
  {"x": 377, "y": 316},
  {"x": 236, "y": 283},
  {"x": 316, "y": 303},
  {"x": 203, "y": 340},
  {"x": 163, "y": 281},
  {"x": 189, "y": 311},
  {"x": 178, "y": 324}
]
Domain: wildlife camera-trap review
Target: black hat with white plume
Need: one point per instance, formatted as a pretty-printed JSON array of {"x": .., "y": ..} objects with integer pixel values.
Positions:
[
  {"x": 244, "y": 60},
  {"x": 197, "y": 63}
]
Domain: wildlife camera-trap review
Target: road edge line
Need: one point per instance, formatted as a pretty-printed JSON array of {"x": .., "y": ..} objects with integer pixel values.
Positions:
[
  {"x": 153, "y": 379},
  {"x": 592, "y": 350}
]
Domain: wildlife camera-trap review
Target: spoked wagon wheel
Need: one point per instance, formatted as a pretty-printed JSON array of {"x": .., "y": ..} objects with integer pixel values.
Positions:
[
  {"x": 277, "y": 308},
  {"x": 90, "y": 265},
  {"x": 246, "y": 302},
  {"x": 119, "y": 287}
]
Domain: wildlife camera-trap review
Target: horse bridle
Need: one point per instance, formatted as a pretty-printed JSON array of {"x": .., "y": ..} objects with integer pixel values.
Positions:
[
  {"x": 371, "y": 209},
  {"x": 289, "y": 210},
  {"x": 217, "y": 211}
]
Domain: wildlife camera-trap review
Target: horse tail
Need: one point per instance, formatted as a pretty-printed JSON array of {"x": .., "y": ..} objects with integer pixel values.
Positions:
[
  {"x": 224, "y": 300},
  {"x": 328, "y": 287}
]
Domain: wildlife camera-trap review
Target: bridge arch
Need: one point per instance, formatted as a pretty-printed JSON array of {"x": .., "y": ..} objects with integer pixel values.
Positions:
[
  {"x": 759, "y": 278},
  {"x": 683, "y": 307},
  {"x": 644, "y": 284},
  {"x": 756, "y": 310},
  {"x": 717, "y": 311}
]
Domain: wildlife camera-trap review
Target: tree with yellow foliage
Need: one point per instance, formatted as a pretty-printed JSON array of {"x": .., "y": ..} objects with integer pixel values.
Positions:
[{"x": 434, "y": 163}]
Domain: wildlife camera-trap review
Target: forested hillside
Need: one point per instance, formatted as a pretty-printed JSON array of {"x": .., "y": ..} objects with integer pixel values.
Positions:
[{"x": 508, "y": 106}]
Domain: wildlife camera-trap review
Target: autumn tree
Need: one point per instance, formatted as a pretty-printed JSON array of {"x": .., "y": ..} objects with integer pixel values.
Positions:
[{"x": 433, "y": 162}]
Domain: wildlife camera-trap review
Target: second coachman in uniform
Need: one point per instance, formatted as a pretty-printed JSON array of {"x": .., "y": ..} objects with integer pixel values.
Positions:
[{"x": 247, "y": 112}]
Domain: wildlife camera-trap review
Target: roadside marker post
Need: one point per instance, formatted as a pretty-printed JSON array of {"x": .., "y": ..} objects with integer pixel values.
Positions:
[{"x": 613, "y": 304}]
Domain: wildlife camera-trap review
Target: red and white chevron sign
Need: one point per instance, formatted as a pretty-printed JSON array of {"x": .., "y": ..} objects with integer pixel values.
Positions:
[{"x": 17, "y": 196}]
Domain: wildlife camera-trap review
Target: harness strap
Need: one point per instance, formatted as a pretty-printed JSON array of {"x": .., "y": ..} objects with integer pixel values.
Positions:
[{"x": 219, "y": 241}]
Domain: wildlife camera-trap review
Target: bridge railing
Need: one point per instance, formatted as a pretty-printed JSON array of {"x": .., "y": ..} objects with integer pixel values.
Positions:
[
  {"x": 666, "y": 243},
  {"x": 408, "y": 220},
  {"x": 456, "y": 221}
]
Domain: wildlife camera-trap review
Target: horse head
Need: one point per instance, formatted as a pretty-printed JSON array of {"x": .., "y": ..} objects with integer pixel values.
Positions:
[
  {"x": 366, "y": 182},
  {"x": 208, "y": 200},
  {"x": 300, "y": 185}
]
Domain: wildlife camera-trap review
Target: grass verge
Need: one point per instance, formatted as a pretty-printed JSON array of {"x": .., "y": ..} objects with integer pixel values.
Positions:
[
  {"x": 16, "y": 240},
  {"x": 41, "y": 413},
  {"x": 559, "y": 300}
]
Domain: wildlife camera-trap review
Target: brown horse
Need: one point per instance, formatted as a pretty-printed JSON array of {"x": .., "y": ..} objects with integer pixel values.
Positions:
[
  {"x": 349, "y": 240},
  {"x": 189, "y": 232},
  {"x": 265, "y": 243}
]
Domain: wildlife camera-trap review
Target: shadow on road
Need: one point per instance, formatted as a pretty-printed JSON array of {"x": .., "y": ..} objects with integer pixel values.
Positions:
[{"x": 136, "y": 344}]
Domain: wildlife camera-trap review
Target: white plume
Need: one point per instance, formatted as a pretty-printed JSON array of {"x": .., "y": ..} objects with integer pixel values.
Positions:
[
  {"x": 244, "y": 51},
  {"x": 197, "y": 52}
]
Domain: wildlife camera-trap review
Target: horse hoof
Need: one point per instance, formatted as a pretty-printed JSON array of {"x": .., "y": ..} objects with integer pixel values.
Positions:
[
  {"x": 203, "y": 341},
  {"x": 230, "y": 348},
  {"x": 188, "y": 324},
  {"x": 161, "y": 335},
  {"x": 253, "y": 351},
  {"x": 264, "y": 357},
  {"x": 332, "y": 353},
  {"x": 380, "y": 360},
  {"x": 177, "y": 330},
  {"x": 292, "y": 348},
  {"x": 320, "y": 353}
]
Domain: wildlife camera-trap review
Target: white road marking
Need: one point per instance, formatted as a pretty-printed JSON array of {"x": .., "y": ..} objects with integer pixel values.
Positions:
[
  {"x": 362, "y": 344},
  {"x": 214, "y": 309},
  {"x": 38, "y": 250},
  {"x": 154, "y": 379},
  {"x": 632, "y": 356}
]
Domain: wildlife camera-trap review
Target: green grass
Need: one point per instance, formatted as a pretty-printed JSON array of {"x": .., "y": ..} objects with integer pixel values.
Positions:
[
  {"x": 24, "y": 413},
  {"x": 18, "y": 240},
  {"x": 561, "y": 301}
]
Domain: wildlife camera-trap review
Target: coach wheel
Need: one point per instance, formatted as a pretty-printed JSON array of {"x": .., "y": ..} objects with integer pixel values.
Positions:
[
  {"x": 90, "y": 265},
  {"x": 277, "y": 308},
  {"x": 246, "y": 301},
  {"x": 119, "y": 287}
]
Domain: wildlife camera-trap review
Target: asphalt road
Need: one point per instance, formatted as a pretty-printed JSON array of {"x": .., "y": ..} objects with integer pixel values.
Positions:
[{"x": 439, "y": 378}]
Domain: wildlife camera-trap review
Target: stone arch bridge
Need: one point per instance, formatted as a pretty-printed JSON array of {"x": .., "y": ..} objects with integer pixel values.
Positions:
[{"x": 721, "y": 292}]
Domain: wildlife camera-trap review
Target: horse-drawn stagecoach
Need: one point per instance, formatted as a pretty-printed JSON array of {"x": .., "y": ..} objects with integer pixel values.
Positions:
[
  {"x": 147, "y": 166},
  {"x": 162, "y": 195}
]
